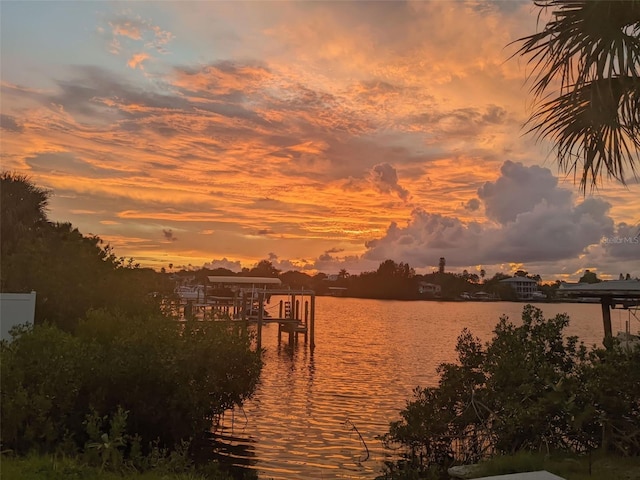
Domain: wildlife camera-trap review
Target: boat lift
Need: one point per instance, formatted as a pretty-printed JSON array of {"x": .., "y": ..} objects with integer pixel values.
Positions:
[
  {"x": 244, "y": 299},
  {"x": 623, "y": 294}
]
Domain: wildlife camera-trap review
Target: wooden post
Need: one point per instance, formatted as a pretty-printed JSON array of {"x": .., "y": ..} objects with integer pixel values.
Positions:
[
  {"x": 306, "y": 321},
  {"x": 605, "y": 302},
  {"x": 312, "y": 318},
  {"x": 293, "y": 306},
  {"x": 260, "y": 310},
  {"x": 242, "y": 312}
]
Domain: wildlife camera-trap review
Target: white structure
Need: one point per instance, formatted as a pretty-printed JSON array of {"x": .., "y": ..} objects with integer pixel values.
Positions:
[
  {"x": 525, "y": 288},
  {"x": 16, "y": 309},
  {"x": 429, "y": 289}
]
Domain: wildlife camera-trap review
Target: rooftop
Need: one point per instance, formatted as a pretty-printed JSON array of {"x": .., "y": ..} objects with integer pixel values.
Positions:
[
  {"x": 519, "y": 280},
  {"x": 616, "y": 288},
  {"x": 232, "y": 280}
]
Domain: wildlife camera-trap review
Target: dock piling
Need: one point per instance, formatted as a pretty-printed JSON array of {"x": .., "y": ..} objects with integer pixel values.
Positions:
[{"x": 312, "y": 340}]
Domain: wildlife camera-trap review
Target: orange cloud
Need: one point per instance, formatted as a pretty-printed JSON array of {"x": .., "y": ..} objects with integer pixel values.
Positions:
[
  {"x": 309, "y": 129},
  {"x": 127, "y": 28},
  {"x": 136, "y": 60}
]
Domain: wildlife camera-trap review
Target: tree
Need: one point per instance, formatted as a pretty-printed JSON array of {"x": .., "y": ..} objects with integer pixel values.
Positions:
[
  {"x": 535, "y": 277},
  {"x": 589, "y": 277},
  {"x": 593, "y": 119},
  {"x": 23, "y": 211},
  {"x": 531, "y": 387},
  {"x": 391, "y": 269},
  {"x": 296, "y": 279},
  {"x": 171, "y": 378},
  {"x": 264, "y": 268},
  {"x": 71, "y": 273}
]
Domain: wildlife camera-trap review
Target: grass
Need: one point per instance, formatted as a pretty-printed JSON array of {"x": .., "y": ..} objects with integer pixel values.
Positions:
[
  {"x": 567, "y": 467},
  {"x": 40, "y": 467}
]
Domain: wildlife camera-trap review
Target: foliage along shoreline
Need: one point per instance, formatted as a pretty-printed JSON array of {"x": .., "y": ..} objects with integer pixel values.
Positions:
[
  {"x": 104, "y": 361},
  {"x": 530, "y": 389},
  {"x": 106, "y": 376}
]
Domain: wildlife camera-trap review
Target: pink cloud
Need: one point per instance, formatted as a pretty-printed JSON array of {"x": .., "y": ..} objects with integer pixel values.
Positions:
[{"x": 137, "y": 59}]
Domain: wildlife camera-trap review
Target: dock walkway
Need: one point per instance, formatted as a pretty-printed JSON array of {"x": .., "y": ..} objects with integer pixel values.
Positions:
[{"x": 244, "y": 299}]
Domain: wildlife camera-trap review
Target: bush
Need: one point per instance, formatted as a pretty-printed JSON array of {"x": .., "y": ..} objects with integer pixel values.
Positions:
[
  {"x": 529, "y": 388},
  {"x": 169, "y": 378},
  {"x": 34, "y": 467}
]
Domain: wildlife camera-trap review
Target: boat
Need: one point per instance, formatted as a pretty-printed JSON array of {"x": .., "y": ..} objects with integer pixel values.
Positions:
[
  {"x": 253, "y": 311},
  {"x": 628, "y": 341},
  {"x": 190, "y": 293}
]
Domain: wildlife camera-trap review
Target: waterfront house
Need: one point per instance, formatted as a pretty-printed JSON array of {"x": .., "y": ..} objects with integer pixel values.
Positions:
[
  {"x": 429, "y": 289},
  {"x": 525, "y": 288}
]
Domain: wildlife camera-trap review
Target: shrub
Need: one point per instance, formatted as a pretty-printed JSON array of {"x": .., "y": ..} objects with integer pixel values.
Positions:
[
  {"x": 169, "y": 378},
  {"x": 529, "y": 388}
]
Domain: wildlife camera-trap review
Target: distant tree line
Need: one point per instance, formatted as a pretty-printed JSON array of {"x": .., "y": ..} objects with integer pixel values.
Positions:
[{"x": 391, "y": 280}]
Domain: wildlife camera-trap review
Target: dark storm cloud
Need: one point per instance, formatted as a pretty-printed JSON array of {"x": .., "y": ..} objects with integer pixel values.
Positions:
[
  {"x": 168, "y": 235},
  {"x": 70, "y": 163},
  {"x": 534, "y": 226},
  {"x": 472, "y": 205},
  {"x": 548, "y": 232},
  {"x": 488, "y": 6},
  {"x": 92, "y": 90},
  {"x": 232, "y": 265},
  {"x": 519, "y": 189},
  {"x": 624, "y": 242},
  {"x": 461, "y": 121},
  {"x": 7, "y": 122},
  {"x": 385, "y": 179},
  {"x": 226, "y": 85}
]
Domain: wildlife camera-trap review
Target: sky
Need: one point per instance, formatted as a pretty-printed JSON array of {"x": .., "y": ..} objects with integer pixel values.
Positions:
[{"x": 317, "y": 135}]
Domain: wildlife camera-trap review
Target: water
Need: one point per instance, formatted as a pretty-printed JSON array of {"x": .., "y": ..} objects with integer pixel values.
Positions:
[{"x": 317, "y": 416}]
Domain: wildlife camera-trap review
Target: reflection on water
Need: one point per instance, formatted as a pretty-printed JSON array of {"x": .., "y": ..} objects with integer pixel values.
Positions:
[{"x": 318, "y": 415}]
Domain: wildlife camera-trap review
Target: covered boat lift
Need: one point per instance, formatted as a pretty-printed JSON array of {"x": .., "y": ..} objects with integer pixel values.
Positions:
[
  {"x": 623, "y": 294},
  {"x": 243, "y": 299}
]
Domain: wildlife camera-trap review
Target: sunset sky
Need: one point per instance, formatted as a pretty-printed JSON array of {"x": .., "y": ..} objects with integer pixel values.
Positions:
[{"x": 317, "y": 135}]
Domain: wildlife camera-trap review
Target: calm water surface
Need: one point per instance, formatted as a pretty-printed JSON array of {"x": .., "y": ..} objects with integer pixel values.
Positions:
[{"x": 369, "y": 356}]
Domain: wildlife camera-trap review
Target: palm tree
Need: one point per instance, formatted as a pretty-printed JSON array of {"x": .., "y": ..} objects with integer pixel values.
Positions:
[
  {"x": 592, "y": 47},
  {"x": 23, "y": 210},
  {"x": 343, "y": 274}
]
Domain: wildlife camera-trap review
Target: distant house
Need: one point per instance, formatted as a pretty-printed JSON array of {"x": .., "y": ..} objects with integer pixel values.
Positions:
[
  {"x": 429, "y": 289},
  {"x": 525, "y": 288},
  {"x": 337, "y": 291},
  {"x": 484, "y": 296}
]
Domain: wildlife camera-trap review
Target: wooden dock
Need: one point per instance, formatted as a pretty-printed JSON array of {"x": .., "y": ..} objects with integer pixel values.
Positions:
[
  {"x": 623, "y": 294},
  {"x": 245, "y": 300}
]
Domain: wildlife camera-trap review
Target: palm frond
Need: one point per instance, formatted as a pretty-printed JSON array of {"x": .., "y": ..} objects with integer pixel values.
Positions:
[{"x": 588, "y": 55}]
